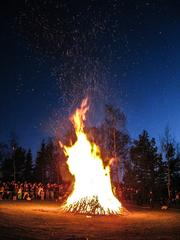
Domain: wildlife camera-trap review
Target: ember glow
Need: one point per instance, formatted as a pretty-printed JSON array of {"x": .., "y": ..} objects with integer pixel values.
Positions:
[{"x": 92, "y": 192}]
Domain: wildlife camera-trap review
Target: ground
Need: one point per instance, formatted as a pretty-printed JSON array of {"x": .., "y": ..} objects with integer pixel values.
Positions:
[{"x": 44, "y": 220}]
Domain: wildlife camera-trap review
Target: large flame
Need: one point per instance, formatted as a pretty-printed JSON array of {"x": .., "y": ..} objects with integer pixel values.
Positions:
[{"x": 92, "y": 192}]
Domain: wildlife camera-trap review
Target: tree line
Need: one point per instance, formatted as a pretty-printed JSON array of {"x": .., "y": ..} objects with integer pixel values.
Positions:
[
  {"x": 16, "y": 163},
  {"x": 137, "y": 164}
]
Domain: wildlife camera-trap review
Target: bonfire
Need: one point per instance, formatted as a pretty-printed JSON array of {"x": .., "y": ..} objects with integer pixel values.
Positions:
[{"x": 92, "y": 191}]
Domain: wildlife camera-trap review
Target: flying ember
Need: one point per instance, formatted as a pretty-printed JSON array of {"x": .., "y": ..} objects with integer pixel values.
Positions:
[{"x": 92, "y": 191}]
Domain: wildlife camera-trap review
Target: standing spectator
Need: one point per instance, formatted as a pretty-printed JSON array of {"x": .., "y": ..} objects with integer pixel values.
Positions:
[
  {"x": 25, "y": 194},
  {"x": 56, "y": 192},
  {"x": 40, "y": 189},
  {"x": 177, "y": 198},
  {"x": 47, "y": 191},
  {"x": 61, "y": 193},
  {"x": 42, "y": 194},
  {"x": 20, "y": 192},
  {"x": 151, "y": 199},
  {"x": 31, "y": 190},
  {"x": 6, "y": 190},
  {"x": 26, "y": 191},
  {"x": 1, "y": 192},
  {"x": 14, "y": 192},
  {"x": 51, "y": 191},
  {"x": 36, "y": 191}
]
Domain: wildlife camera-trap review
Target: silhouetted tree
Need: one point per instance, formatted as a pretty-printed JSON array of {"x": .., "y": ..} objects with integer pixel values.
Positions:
[
  {"x": 129, "y": 175},
  {"x": 40, "y": 164},
  {"x": 113, "y": 140},
  {"x": 28, "y": 171},
  {"x": 116, "y": 139},
  {"x": 51, "y": 162},
  {"x": 4, "y": 153},
  {"x": 7, "y": 169},
  {"x": 146, "y": 163},
  {"x": 47, "y": 163},
  {"x": 14, "y": 165},
  {"x": 13, "y": 144},
  {"x": 172, "y": 162},
  {"x": 20, "y": 157}
]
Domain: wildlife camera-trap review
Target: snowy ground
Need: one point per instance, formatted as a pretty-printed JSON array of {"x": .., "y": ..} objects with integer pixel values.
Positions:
[{"x": 43, "y": 220}]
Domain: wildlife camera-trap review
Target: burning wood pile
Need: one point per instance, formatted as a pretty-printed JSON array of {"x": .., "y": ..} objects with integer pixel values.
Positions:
[{"x": 92, "y": 190}]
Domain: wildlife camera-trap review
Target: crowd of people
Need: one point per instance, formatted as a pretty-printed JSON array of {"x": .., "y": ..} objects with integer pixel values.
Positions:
[
  {"x": 31, "y": 191},
  {"x": 53, "y": 191},
  {"x": 132, "y": 195}
]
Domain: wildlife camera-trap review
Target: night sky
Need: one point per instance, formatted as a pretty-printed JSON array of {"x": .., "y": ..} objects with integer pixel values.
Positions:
[{"x": 124, "y": 52}]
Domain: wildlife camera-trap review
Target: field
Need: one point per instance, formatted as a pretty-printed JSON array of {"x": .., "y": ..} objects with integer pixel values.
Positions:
[{"x": 44, "y": 220}]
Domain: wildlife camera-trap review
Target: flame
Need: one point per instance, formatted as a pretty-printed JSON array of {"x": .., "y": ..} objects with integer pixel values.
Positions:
[{"x": 92, "y": 192}]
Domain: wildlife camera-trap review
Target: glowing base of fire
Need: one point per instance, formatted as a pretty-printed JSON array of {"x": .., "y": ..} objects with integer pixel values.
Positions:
[{"x": 90, "y": 206}]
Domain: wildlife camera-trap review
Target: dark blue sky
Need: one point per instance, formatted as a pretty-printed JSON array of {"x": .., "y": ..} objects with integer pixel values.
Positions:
[{"x": 130, "y": 48}]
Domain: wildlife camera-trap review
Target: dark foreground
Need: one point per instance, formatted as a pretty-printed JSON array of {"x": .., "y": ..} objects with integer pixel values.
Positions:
[{"x": 43, "y": 220}]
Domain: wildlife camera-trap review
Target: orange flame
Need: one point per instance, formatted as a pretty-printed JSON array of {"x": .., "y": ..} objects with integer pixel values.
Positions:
[{"x": 92, "y": 193}]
